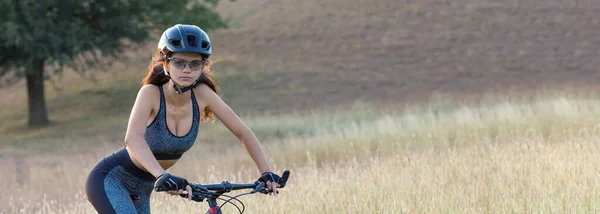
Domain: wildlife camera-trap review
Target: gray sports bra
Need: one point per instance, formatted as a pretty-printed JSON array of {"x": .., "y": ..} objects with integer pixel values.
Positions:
[{"x": 164, "y": 144}]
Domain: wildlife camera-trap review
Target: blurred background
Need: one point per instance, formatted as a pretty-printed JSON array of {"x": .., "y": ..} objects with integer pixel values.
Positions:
[{"x": 419, "y": 90}]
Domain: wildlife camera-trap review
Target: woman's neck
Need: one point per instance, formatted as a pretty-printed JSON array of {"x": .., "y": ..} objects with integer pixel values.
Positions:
[{"x": 174, "y": 97}]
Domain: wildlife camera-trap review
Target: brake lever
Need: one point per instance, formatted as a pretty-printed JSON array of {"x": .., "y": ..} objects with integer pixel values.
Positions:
[
  {"x": 198, "y": 193},
  {"x": 262, "y": 188},
  {"x": 195, "y": 197}
]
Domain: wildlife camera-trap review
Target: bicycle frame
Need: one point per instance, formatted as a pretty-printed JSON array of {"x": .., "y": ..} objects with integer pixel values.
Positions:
[{"x": 214, "y": 206}]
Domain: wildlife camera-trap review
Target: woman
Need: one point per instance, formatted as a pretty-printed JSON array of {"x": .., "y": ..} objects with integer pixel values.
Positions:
[{"x": 163, "y": 125}]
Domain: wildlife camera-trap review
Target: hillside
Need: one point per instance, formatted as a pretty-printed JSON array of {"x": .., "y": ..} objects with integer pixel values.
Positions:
[
  {"x": 297, "y": 55},
  {"x": 399, "y": 50},
  {"x": 307, "y": 52}
]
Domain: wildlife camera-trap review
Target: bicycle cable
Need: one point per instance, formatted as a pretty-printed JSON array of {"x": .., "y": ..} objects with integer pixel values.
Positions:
[
  {"x": 216, "y": 195},
  {"x": 236, "y": 206},
  {"x": 235, "y": 197}
]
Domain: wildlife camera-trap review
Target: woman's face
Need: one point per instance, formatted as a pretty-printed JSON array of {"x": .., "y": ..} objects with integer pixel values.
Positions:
[{"x": 185, "y": 67}]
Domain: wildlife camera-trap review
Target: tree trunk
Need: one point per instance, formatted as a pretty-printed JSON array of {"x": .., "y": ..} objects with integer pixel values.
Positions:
[{"x": 35, "y": 93}]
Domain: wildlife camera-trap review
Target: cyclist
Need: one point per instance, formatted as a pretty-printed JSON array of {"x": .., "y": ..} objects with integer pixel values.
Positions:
[{"x": 178, "y": 93}]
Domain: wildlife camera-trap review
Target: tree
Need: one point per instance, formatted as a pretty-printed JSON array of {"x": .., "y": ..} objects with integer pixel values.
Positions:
[{"x": 79, "y": 33}]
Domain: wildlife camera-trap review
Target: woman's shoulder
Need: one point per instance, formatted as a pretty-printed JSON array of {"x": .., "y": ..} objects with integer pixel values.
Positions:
[
  {"x": 149, "y": 93},
  {"x": 204, "y": 95},
  {"x": 149, "y": 89},
  {"x": 203, "y": 90}
]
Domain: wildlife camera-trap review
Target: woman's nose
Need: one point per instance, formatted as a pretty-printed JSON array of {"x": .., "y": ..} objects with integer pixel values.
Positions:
[{"x": 187, "y": 68}]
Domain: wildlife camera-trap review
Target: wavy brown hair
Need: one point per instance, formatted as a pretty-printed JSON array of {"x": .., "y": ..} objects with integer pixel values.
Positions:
[{"x": 156, "y": 76}]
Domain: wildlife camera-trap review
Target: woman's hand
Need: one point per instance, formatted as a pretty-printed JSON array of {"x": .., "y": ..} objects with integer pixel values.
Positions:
[
  {"x": 173, "y": 185},
  {"x": 271, "y": 180}
]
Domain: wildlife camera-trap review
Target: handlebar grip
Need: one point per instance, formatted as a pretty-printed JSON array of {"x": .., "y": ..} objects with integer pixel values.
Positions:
[{"x": 284, "y": 178}]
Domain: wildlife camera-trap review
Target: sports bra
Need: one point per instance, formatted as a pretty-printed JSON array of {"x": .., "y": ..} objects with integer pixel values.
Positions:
[{"x": 164, "y": 144}]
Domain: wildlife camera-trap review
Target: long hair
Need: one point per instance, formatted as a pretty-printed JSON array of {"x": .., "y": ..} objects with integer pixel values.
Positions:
[{"x": 156, "y": 76}]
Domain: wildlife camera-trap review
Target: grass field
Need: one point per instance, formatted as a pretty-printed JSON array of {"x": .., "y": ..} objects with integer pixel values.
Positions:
[{"x": 535, "y": 156}]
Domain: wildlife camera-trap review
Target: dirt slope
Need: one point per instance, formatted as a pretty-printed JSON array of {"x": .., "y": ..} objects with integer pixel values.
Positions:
[
  {"x": 399, "y": 50},
  {"x": 315, "y": 52}
]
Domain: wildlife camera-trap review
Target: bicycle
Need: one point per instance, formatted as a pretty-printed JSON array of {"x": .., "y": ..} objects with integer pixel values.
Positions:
[{"x": 212, "y": 192}]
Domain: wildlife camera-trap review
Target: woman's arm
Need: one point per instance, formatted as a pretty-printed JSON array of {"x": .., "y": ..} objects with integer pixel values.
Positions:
[
  {"x": 138, "y": 120},
  {"x": 235, "y": 125}
]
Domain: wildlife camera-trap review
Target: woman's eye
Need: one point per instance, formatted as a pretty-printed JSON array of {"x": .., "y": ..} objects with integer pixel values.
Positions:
[
  {"x": 196, "y": 64},
  {"x": 178, "y": 62}
]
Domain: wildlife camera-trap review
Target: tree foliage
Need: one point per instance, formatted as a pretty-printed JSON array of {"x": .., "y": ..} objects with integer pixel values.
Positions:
[
  {"x": 61, "y": 30},
  {"x": 70, "y": 33}
]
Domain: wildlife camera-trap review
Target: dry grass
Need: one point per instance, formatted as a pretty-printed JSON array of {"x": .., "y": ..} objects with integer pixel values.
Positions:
[{"x": 525, "y": 157}]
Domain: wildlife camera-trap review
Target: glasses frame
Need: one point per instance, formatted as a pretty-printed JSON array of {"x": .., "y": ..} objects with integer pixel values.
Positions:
[{"x": 186, "y": 63}]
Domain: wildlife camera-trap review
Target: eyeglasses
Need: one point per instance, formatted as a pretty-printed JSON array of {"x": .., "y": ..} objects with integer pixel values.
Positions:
[{"x": 179, "y": 63}]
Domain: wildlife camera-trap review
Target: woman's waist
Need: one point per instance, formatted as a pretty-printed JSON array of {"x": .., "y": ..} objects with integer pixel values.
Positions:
[
  {"x": 165, "y": 164},
  {"x": 131, "y": 165}
]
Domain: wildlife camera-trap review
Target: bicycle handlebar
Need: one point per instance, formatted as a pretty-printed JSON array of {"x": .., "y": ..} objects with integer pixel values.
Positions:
[{"x": 200, "y": 191}]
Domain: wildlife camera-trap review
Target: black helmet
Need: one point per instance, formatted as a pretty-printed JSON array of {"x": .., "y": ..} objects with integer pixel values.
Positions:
[{"x": 185, "y": 38}]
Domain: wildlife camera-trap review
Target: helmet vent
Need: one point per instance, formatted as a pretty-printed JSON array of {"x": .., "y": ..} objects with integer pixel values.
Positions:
[
  {"x": 192, "y": 40},
  {"x": 205, "y": 44},
  {"x": 176, "y": 42}
]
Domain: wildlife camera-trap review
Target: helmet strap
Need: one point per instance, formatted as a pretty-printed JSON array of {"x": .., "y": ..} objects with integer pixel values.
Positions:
[{"x": 184, "y": 89}]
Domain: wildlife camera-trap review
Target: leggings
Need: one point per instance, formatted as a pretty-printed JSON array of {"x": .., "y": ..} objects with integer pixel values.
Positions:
[{"x": 116, "y": 185}]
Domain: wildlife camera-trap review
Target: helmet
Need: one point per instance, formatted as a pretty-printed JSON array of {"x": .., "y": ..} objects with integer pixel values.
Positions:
[{"x": 185, "y": 38}]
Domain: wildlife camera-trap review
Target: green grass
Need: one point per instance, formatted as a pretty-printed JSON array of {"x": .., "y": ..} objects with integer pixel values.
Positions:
[{"x": 101, "y": 110}]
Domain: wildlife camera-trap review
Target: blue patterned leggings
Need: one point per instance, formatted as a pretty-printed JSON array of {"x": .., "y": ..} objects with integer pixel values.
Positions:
[{"x": 116, "y": 185}]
